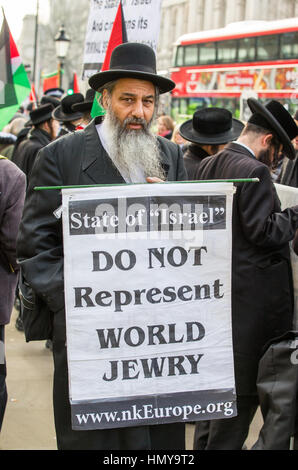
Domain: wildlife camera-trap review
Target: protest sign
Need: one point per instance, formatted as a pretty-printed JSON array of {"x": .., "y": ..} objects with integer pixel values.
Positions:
[
  {"x": 142, "y": 21},
  {"x": 148, "y": 303}
]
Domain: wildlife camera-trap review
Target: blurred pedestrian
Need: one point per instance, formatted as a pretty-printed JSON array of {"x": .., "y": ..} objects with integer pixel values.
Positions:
[
  {"x": 165, "y": 126},
  {"x": 8, "y": 137},
  {"x": 178, "y": 139},
  {"x": 209, "y": 130},
  {"x": 44, "y": 130},
  {"x": 64, "y": 113},
  {"x": 7, "y": 141},
  {"x": 12, "y": 195},
  {"x": 85, "y": 107},
  {"x": 262, "y": 286}
]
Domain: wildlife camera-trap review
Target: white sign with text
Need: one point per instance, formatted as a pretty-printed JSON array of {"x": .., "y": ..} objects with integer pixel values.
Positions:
[
  {"x": 142, "y": 21},
  {"x": 148, "y": 303}
]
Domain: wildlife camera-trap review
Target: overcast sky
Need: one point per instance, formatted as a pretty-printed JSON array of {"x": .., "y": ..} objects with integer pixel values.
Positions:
[{"x": 15, "y": 10}]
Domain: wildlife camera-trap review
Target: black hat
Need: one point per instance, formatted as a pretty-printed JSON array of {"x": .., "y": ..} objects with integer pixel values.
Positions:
[
  {"x": 64, "y": 111},
  {"x": 58, "y": 92},
  {"x": 274, "y": 117},
  {"x": 134, "y": 60},
  {"x": 50, "y": 99},
  {"x": 85, "y": 105},
  {"x": 211, "y": 126},
  {"x": 41, "y": 114}
]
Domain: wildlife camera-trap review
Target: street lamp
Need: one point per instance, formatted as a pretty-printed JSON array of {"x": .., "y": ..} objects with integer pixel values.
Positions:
[{"x": 62, "y": 43}]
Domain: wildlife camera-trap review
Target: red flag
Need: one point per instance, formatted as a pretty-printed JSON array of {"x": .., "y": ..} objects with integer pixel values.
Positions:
[
  {"x": 75, "y": 84},
  {"x": 50, "y": 81},
  {"x": 32, "y": 96},
  {"x": 118, "y": 36}
]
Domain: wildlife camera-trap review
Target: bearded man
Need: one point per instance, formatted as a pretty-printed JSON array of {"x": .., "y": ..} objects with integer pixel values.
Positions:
[{"x": 117, "y": 150}]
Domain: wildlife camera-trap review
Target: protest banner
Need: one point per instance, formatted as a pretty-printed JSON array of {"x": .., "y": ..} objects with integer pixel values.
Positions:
[
  {"x": 142, "y": 21},
  {"x": 148, "y": 303}
]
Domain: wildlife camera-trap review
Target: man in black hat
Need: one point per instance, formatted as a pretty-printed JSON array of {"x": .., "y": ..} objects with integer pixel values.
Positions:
[
  {"x": 117, "y": 149},
  {"x": 44, "y": 129},
  {"x": 262, "y": 288},
  {"x": 289, "y": 171},
  {"x": 85, "y": 107},
  {"x": 64, "y": 113},
  {"x": 209, "y": 130}
]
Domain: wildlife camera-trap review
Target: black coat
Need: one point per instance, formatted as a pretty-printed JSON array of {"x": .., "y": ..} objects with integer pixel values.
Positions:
[
  {"x": 262, "y": 288},
  {"x": 12, "y": 195},
  {"x": 78, "y": 158},
  {"x": 192, "y": 159},
  {"x": 289, "y": 172},
  {"x": 25, "y": 155}
]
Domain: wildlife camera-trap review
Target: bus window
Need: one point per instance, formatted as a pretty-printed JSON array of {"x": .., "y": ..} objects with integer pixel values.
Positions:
[
  {"x": 191, "y": 55},
  {"x": 226, "y": 51},
  {"x": 207, "y": 53},
  {"x": 289, "y": 45},
  {"x": 179, "y": 57},
  {"x": 246, "y": 49},
  {"x": 267, "y": 47}
]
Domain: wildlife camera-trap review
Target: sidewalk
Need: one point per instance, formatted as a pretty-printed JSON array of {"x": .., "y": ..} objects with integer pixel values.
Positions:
[{"x": 28, "y": 421}]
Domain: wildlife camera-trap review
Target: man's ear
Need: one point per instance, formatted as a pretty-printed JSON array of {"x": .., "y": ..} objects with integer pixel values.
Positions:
[
  {"x": 105, "y": 98},
  {"x": 266, "y": 140}
]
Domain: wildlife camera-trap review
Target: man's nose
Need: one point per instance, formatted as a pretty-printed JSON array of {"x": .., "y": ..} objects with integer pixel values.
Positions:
[{"x": 138, "y": 109}]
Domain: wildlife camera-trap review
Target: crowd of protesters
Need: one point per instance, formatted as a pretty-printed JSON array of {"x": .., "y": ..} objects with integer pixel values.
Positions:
[{"x": 122, "y": 148}]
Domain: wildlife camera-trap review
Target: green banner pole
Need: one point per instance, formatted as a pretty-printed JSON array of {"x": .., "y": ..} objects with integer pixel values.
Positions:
[{"x": 237, "y": 180}]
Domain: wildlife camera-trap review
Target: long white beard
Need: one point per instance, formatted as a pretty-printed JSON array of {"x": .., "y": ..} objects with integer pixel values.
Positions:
[{"x": 132, "y": 151}]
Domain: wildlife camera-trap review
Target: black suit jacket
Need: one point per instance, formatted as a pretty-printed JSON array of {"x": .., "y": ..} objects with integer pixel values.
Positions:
[{"x": 262, "y": 289}]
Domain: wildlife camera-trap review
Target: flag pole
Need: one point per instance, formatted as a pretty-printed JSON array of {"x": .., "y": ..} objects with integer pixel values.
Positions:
[{"x": 35, "y": 43}]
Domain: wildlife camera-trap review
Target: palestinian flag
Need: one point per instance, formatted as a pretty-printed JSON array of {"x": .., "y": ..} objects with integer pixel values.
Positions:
[
  {"x": 14, "y": 83},
  {"x": 118, "y": 36},
  {"x": 50, "y": 80}
]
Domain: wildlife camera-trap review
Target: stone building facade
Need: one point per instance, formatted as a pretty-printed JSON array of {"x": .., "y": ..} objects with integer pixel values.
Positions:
[{"x": 178, "y": 17}]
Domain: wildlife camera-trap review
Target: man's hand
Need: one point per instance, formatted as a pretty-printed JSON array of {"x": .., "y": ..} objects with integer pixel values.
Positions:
[{"x": 154, "y": 179}]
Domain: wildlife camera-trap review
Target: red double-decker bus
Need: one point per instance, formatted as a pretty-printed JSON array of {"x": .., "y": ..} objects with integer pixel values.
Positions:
[{"x": 223, "y": 66}]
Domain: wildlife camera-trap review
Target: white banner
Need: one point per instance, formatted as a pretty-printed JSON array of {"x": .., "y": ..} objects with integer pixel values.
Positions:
[
  {"x": 142, "y": 20},
  {"x": 148, "y": 303},
  {"x": 288, "y": 198}
]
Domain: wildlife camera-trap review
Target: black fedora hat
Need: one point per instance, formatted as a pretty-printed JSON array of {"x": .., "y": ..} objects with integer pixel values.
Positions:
[
  {"x": 50, "y": 99},
  {"x": 41, "y": 114},
  {"x": 64, "y": 111},
  {"x": 132, "y": 60},
  {"x": 274, "y": 117},
  {"x": 211, "y": 126},
  {"x": 85, "y": 105}
]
